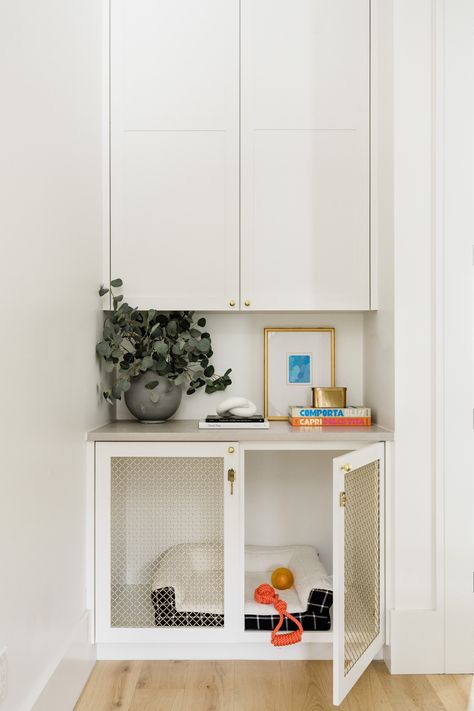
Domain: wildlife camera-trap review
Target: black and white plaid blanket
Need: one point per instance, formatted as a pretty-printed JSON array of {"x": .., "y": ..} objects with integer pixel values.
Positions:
[{"x": 315, "y": 618}]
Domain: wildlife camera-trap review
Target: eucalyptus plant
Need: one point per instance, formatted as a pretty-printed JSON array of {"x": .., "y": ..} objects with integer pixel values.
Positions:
[{"x": 171, "y": 344}]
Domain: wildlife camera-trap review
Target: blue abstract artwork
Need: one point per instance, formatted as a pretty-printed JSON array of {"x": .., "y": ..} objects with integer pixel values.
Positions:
[{"x": 299, "y": 368}]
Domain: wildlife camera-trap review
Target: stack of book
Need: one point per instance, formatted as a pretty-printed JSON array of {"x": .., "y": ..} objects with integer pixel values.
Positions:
[
  {"x": 304, "y": 416},
  {"x": 228, "y": 422}
]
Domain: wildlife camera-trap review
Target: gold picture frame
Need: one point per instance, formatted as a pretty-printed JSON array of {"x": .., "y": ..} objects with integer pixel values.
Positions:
[{"x": 330, "y": 370}]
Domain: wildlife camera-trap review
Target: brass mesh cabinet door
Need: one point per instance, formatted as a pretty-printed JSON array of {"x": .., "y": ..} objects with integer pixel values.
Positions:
[
  {"x": 163, "y": 517},
  {"x": 358, "y": 564}
]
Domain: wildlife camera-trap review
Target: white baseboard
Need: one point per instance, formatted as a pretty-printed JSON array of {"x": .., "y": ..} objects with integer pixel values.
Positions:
[
  {"x": 212, "y": 651},
  {"x": 67, "y": 680},
  {"x": 221, "y": 651},
  {"x": 416, "y": 642}
]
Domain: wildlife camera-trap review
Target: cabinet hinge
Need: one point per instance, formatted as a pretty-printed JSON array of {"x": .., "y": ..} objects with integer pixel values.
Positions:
[{"x": 342, "y": 498}]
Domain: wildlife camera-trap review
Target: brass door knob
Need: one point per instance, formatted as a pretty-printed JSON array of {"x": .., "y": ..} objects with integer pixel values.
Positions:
[
  {"x": 232, "y": 302},
  {"x": 247, "y": 302},
  {"x": 346, "y": 468},
  {"x": 231, "y": 450}
]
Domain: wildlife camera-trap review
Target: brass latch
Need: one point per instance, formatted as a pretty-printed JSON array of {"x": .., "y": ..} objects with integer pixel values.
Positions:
[
  {"x": 342, "y": 498},
  {"x": 231, "y": 479}
]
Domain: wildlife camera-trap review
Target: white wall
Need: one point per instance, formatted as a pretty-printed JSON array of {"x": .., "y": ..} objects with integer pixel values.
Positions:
[
  {"x": 379, "y": 386},
  {"x": 237, "y": 342},
  {"x": 457, "y": 273},
  {"x": 296, "y": 488},
  {"x": 414, "y": 291},
  {"x": 424, "y": 54},
  {"x": 417, "y": 487},
  {"x": 50, "y": 225}
]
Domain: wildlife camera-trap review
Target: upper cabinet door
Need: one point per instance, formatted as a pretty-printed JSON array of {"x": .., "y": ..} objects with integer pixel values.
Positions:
[
  {"x": 175, "y": 152},
  {"x": 305, "y": 154}
]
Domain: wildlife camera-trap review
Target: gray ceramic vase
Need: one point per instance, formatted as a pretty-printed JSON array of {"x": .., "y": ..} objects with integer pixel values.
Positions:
[{"x": 140, "y": 405}]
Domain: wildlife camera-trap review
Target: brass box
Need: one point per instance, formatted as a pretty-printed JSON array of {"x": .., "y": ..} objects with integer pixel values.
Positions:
[{"x": 329, "y": 397}]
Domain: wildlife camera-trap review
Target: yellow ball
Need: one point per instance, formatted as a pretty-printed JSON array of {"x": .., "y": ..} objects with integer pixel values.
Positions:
[{"x": 282, "y": 579}]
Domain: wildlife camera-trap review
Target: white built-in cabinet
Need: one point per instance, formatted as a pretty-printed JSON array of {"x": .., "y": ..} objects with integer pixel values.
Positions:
[
  {"x": 153, "y": 497},
  {"x": 239, "y": 153}
]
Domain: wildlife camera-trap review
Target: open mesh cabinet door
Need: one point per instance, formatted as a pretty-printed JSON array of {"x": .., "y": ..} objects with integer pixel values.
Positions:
[{"x": 358, "y": 535}]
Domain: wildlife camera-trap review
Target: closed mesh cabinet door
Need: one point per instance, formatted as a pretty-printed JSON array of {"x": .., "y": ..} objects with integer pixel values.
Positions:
[
  {"x": 358, "y": 564},
  {"x": 164, "y": 517}
]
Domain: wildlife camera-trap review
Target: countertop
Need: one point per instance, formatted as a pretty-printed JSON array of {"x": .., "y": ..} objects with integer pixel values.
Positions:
[{"x": 188, "y": 431}]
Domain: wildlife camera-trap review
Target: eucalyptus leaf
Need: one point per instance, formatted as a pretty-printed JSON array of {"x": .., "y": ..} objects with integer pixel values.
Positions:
[
  {"x": 116, "y": 282},
  {"x": 204, "y": 344},
  {"x": 116, "y": 301},
  {"x": 172, "y": 328},
  {"x": 161, "y": 347},
  {"x": 107, "y": 395},
  {"x": 117, "y": 391},
  {"x": 103, "y": 291},
  {"x": 104, "y": 349},
  {"x": 152, "y": 384}
]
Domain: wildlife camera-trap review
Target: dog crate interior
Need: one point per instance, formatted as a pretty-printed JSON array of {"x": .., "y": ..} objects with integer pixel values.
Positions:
[
  {"x": 288, "y": 524},
  {"x": 167, "y": 542}
]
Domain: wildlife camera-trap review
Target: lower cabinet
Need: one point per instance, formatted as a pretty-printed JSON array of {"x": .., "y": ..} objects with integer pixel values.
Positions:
[{"x": 185, "y": 531}]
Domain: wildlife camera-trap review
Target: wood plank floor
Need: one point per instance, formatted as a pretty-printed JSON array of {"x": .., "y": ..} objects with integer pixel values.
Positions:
[{"x": 263, "y": 686}]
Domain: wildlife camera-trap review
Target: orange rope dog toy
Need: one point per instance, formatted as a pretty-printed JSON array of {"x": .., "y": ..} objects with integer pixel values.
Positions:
[{"x": 266, "y": 595}]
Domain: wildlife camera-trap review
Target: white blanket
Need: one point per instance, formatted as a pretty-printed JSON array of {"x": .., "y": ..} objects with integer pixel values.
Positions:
[
  {"x": 196, "y": 572},
  {"x": 304, "y": 563}
]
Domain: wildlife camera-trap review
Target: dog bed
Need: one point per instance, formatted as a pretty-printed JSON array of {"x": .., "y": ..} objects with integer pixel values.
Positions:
[{"x": 309, "y": 600}]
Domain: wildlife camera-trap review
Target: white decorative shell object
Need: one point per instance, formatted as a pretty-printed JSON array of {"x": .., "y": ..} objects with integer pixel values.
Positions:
[{"x": 237, "y": 406}]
